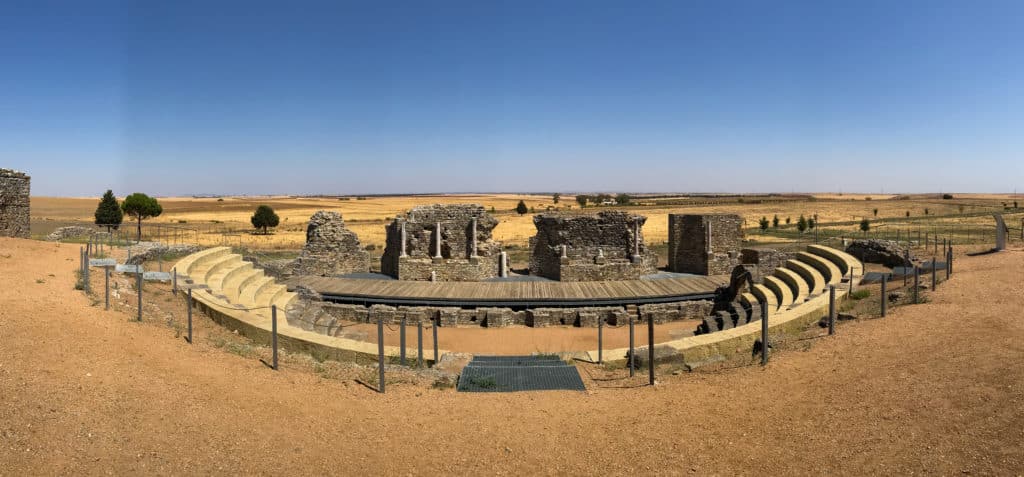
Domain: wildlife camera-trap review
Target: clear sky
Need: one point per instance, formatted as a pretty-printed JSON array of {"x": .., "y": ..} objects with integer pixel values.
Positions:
[{"x": 189, "y": 97}]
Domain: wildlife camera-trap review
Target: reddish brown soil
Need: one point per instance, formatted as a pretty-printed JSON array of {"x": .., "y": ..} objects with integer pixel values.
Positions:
[{"x": 936, "y": 388}]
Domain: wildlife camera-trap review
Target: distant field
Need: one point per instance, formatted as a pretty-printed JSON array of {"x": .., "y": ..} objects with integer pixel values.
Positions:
[{"x": 207, "y": 219}]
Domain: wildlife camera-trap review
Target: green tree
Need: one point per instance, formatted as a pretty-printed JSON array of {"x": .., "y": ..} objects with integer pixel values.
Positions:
[
  {"x": 925, "y": 211},
  {"x": 811, "y": 223},
  {"x": 556, "y": 197},
  {"x": 865, "y": 225},
  {"x": 141, "y": 207},
  {"x": 521, "y": 208},
  {"x": 582, "y": 200},
  {"x": 264, "y": 218},
  {"x": 875, "y": 211},
  {"x": 108, "y": 212},
  {"x": 801, "y": 223},
  {"x": 763, "y": 223},
  {"x": 623, "y": 199},
  {"x": 775, "y": 222},
  {"x": 908, "y": 213},
  {"x": 789, "y": 220}
]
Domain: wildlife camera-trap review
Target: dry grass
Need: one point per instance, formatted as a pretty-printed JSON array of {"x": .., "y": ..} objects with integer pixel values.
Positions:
[{"x": 208, "y": 218}]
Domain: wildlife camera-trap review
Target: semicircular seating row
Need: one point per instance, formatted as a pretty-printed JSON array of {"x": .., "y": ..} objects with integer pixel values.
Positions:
[
  {"x": 235, "y": 282},
  {"x": 803, "y": 277}
]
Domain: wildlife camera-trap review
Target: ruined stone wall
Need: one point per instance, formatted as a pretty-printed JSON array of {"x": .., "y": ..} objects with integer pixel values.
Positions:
[
  {"x": 329, "y": 318},
  {"x": 692, "y": 249},
  {"x": 606, "y": 246},
  {"x": 14, "y": 204},
  {"x": 762, "y": 262},
  {"x": 331, "y": 248},
  {"x": 456, "y": 261}
]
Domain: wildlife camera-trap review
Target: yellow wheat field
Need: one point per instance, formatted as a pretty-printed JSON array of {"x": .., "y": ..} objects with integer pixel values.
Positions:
[{"x": 206, "y": 219}]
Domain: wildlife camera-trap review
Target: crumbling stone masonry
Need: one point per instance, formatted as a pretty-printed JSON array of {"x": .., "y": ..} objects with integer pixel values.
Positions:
[
  {"x": 704, "y": 244},
  {"x": 606, "y": 246},
  {"x": 762, "y": 262},
  {"x": 443, "y": 243},
  {"x": 311, "y": 314},
  {"x": 331, "y": 248},
  {"x": 14, "y": 204}
]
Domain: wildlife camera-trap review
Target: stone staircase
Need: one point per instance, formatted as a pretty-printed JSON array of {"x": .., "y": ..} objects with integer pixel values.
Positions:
[
  {"x": 235, "y": 282},
  {"x": 800, "y": 279}
]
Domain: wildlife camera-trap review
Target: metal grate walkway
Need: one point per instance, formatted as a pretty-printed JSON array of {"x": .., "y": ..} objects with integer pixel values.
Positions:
[{"x": 519, "y": 373}]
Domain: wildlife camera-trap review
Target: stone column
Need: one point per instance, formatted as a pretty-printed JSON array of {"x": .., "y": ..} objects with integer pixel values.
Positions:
[
  {"x": 402, "y": 254},
  {"x": 472, "y": 253},
  {"x": 565, "y": 251},
  {"x": 437, "y": 246},
  {"x": 636, "y": 239},
  {"x": 502, "y": 264}
]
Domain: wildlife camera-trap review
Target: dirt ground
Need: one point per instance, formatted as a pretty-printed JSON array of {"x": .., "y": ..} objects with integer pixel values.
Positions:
[{"x": 936, "y": 388}]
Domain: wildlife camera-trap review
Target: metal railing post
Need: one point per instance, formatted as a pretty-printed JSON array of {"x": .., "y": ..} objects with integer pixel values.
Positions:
[
  {"x": 435, "y": 340},
  {"x": 401, "y": 341},
  {"x": 650, "y": 348},
  {"x": 106, "y": 288},
  {"x": 380, "y": 353},
  {"x": 764, "y": 334},
  {"x": 189, "y": 316},
  {"x": 935, "y": 281},
  {"x": 600, "y": 333},
  {"x": 419, "y": 343},
  {"x": 831, "y": 309},
  {"x": 138, "y": 284},
  {"x": 885, "y": 295},
  {"x": 273, "y": 334},
  {"x": 632, "y": 349}
]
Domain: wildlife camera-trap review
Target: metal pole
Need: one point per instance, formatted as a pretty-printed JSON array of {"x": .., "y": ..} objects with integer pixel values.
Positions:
[
  {"x": 885, "y": 296},
  {"x": 650, "y": 349},
  {"x": 917, "y": 273},
  {"x": 435, "y": 340},
  {"x": 273, "y": 333},
  {"x": 419, "y": 343},
  {"x": 401, "y": 340},
  {"x": 764, "y": 334},
  {"x": 632, "y": 361},
  {"x": 851, "y": 283},
  {"x": 380, "y": 353},
  {"x": 934, "y": 272},
  {"x": 138, "y": 284},
  {"x": 600, "y": 333},
  {"x": 174, "y": 281},
  {"x": 949, "y": 267},
  {"x": 831, "y": 309},
  {"x": 106, "y": 287},
  {"x": 189, "y": 316}
]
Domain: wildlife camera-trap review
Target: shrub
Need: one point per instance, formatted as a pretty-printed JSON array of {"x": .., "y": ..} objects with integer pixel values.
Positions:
[
  {"x": 860, "y": 294},
  {"x": 521, "y": 208},
  {"x": 763, "y": 223},
  {"x": 775, "y": 222},
  {"x": 865, "y": 225},
  {"x": 947, "y": 196}
]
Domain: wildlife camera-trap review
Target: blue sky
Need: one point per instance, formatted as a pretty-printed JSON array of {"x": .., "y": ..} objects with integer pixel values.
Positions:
[{"x": 191, "y": 97}]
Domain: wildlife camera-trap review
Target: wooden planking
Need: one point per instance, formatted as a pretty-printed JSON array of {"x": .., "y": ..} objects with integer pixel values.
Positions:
[{"x": 675, "y": 286}]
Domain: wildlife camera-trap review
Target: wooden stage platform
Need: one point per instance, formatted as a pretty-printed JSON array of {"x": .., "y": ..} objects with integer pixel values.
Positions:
[{"x": 512, "y": 293}]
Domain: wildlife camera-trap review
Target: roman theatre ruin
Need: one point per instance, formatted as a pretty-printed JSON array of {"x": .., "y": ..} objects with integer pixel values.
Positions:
[{"x": 441, "y": 266}]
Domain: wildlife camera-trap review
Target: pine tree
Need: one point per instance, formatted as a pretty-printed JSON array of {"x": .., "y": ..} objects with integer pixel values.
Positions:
[
  {"x": 521, "y": 208},
  {"x": 108, "y": 212},
  {"x": 141, "y": 207},
  {"x": 775, "y": 222},
  {"x": 763, "y": 223},
  {"x": 801, "y": 223}
]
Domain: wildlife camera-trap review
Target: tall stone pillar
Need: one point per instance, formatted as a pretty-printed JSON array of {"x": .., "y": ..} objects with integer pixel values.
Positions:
[
  {"x": 636, "y": 239},
  {"x": 503, "y": 265},
  {"x": 472, "y": 253},
  {"x": 402, "y": 253},
  {"x": 437, "y": 246}
]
